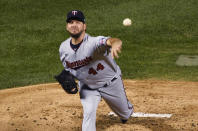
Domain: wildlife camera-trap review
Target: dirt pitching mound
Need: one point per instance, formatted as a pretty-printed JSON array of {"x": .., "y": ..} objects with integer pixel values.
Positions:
[{"x": 47, "y": 107}]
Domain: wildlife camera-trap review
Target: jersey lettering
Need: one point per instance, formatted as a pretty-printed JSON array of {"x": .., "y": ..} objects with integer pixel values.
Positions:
[
  {"x": 93, "y": 71},
  {"x": 100, "y": 67},
  {"x": 79, "y": 63}
]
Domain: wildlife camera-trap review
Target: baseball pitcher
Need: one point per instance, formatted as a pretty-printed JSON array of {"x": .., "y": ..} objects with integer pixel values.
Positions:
[{"x": 91, "y": 60}]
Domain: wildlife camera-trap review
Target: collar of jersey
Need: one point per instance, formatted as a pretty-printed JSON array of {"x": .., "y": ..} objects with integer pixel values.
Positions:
[{"x": 75, "y": 47}]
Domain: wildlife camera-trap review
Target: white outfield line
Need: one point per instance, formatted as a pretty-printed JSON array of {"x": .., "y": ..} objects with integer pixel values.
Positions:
[{"x": 141, "y": 114}]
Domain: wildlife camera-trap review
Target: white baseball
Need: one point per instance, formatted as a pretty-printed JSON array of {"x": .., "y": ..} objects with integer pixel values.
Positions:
[{"x": 127, "y": 22}]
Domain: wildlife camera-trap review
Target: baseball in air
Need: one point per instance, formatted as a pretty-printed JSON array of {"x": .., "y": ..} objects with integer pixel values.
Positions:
[{"x": 127, "y": 22}]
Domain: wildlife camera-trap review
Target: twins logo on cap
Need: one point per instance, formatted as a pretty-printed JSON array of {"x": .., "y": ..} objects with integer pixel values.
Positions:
[{"x": 74, "y": 12}]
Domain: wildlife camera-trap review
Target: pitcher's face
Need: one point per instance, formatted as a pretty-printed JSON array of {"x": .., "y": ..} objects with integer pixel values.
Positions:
[{"x": 75, "y": 28}]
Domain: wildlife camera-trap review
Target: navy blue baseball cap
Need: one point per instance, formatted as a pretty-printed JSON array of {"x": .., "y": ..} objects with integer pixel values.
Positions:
[{"x": 75, "y": 15}]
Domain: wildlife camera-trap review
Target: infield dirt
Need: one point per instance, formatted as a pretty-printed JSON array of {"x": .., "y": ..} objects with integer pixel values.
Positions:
[{"x": 47, "y": 107}]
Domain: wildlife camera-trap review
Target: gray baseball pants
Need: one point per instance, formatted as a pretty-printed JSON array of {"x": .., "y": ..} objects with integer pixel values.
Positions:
[{"x": 113, "y": 94}]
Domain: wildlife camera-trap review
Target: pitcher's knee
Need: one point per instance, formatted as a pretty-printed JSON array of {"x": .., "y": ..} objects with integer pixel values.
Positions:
[
  {"x": 126, "y": 115},
  {"x": 89, "y": 114}
]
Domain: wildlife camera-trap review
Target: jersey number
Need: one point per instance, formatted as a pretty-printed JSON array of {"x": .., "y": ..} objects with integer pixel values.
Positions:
[{"x": 94, "y": 71}]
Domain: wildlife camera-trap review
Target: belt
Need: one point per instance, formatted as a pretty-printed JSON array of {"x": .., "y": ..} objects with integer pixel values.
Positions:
[{"x": 114, "y": 78}]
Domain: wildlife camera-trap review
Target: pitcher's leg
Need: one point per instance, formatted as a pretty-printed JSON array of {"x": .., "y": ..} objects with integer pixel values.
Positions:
[
  {"x": 115, "y": 97},
  {"x": 89, "y": 100}
]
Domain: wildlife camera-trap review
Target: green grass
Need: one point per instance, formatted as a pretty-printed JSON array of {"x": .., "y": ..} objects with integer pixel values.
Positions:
[{"x": 32, "y": 30}]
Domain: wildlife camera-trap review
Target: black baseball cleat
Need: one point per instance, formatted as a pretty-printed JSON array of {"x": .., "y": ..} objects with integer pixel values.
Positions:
[{"x": 123, "y": 121}]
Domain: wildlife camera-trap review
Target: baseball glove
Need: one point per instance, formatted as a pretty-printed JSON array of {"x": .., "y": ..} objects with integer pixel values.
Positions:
[{"x": 67, "y": 81}]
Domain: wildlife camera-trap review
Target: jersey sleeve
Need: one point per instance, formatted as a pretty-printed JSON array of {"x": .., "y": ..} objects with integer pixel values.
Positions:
[
  {"x": 101, "y": 45},
  {"x": 61, "y": 53},
  {"x": 62, "y": 57},
  {"x": 101, "y": 40}
]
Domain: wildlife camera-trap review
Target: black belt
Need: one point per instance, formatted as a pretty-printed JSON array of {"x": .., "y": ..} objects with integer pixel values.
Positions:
[{"x": 114, "y": 78}]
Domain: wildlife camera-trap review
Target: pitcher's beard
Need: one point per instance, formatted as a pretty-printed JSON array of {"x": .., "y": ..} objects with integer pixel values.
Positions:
[{"x": 76, "y": 36}]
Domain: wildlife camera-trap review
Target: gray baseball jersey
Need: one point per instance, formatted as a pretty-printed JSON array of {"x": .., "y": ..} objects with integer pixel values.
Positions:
[{"x": 91, "y": 64}]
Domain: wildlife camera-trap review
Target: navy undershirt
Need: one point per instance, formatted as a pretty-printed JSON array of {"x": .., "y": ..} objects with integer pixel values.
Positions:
[{"x": 75, "y": 47}]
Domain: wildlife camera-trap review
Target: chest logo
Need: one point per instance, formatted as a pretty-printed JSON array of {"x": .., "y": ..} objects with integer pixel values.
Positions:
[{"x": 79, "y": 63}]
